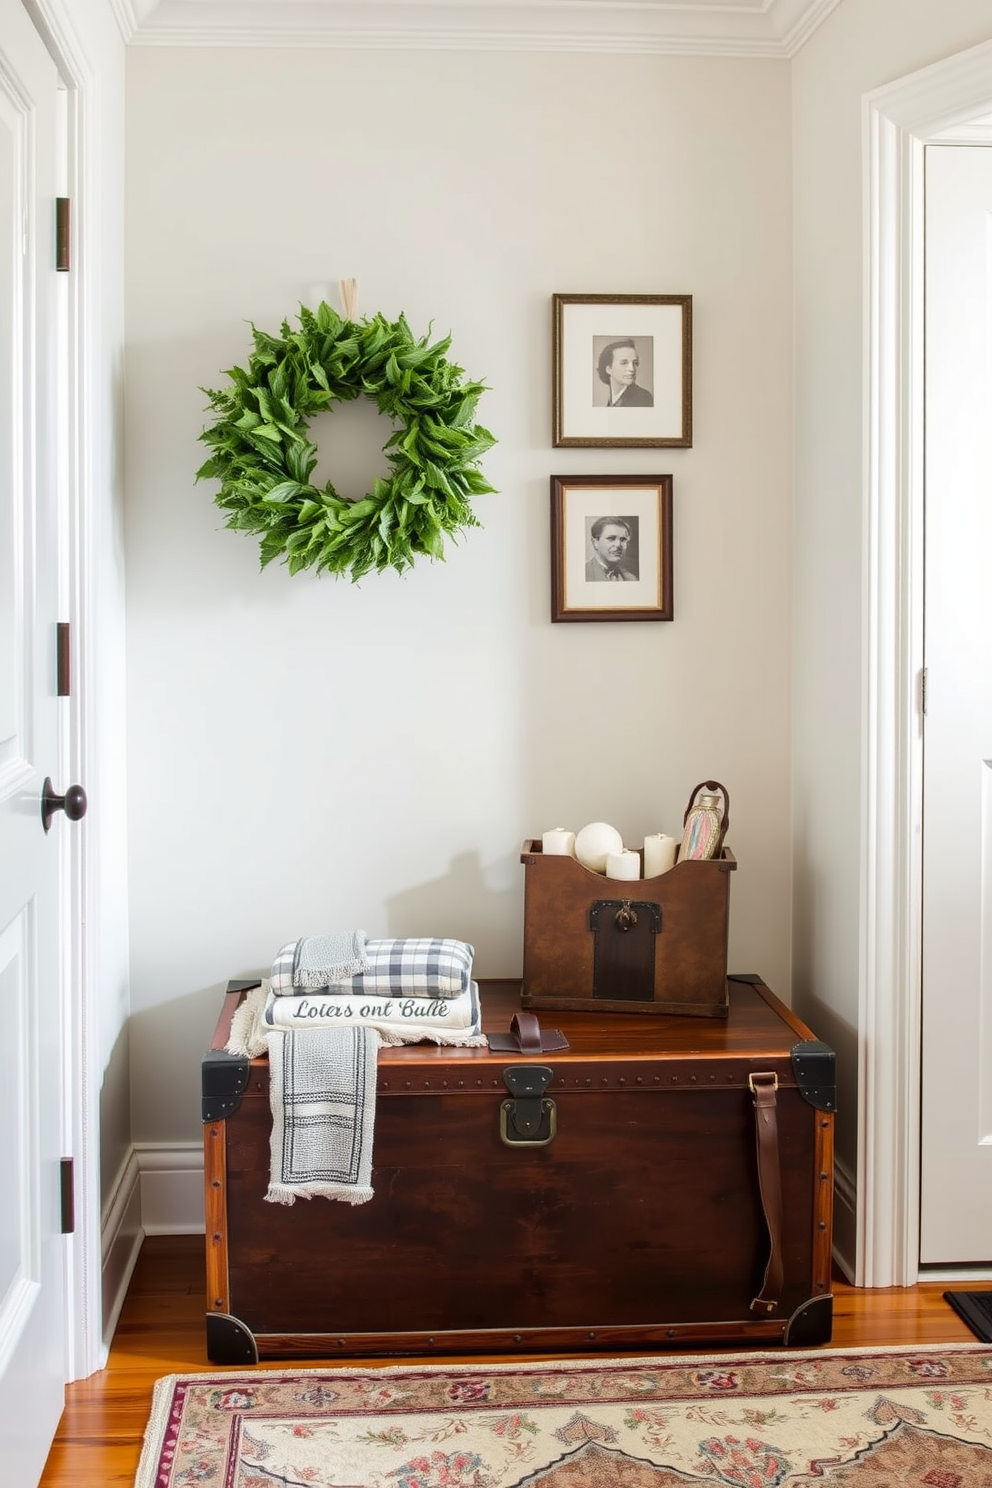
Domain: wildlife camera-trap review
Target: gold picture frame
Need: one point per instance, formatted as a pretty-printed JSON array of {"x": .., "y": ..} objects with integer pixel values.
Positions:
[{"x": 622, "y": 371}]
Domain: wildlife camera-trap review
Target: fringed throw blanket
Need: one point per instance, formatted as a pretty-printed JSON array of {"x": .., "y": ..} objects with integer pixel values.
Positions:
[
  {"x": 319, "y": 961},
  {"x": 322, "y": 1088},
  {"x": 322, "y": 1094},
  {"x": 322, "y": 960}
]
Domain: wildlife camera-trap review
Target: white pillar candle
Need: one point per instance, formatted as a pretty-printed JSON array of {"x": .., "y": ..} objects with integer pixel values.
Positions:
[
  {"x": 623, "y": 865},
  {"x": 659, "y": 854},
  {"x": 558, "y": 843}
]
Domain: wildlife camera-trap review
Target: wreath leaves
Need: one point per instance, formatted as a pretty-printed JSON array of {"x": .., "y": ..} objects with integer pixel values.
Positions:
[{"x": 262, "y": 455}]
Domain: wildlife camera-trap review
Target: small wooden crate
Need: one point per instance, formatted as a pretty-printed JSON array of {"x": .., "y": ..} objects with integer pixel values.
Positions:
[{"x": 651, "y": 945}]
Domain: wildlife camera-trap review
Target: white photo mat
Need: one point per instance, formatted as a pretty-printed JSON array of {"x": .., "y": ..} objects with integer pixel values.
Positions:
[{"x": 582, "y": 507}]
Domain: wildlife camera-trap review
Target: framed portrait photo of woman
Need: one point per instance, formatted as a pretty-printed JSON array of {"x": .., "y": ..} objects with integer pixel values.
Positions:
[
  {"x": 622, "y": 371},
  {"x": 611, "y": 547}
]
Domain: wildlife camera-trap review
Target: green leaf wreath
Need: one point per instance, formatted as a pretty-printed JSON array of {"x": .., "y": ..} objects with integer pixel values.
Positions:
[{"x": 263, "y": 458}]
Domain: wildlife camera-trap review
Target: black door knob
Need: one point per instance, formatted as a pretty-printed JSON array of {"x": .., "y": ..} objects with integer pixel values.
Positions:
[{"x": 73, "y": 803}]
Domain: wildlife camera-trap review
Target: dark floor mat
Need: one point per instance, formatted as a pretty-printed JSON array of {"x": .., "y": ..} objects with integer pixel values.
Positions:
[{"x": 976, "y": 1310}]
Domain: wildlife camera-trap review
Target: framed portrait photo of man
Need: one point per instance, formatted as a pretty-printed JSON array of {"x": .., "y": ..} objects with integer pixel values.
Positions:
[
  {"x": 622, "y": 371},
  {"x": 611, "y": 547}
]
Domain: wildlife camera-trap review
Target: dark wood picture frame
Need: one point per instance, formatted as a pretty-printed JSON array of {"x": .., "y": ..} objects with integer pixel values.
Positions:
[
  {"x": 611, "y": 547},
  {"x": 622, "y": 371}
]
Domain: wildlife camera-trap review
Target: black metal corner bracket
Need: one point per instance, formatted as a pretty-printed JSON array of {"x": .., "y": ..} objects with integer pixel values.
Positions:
[
  {"x": 229, "y": 1341},
  {"x": 224, "y": 1080},
  {"x": 811, "y": 1324},
  {"x": 815, "y": 1066}
]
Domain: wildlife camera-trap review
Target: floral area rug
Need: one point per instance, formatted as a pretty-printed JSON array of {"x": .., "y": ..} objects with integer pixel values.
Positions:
[{"x": 888, "y": 1418}]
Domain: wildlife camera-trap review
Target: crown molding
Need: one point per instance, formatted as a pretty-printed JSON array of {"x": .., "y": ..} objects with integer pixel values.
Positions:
[
  {"x": 801, "y": 21},
  {"x": 733, "y": 28},
  {"x": 127, "y": 22},
  {"x": 131, "y": 16}
]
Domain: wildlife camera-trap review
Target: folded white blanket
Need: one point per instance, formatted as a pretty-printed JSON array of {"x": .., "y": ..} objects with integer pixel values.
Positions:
[
  {"x": 250, "y": 1028},
  {"x": 345, "y": 1010}
]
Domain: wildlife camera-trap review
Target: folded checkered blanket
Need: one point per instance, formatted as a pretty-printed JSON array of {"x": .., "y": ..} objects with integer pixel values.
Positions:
[{"x": 435, "y": 967}]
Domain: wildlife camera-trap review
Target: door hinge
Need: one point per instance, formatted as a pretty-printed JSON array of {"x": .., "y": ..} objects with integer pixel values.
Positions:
[
  {"x": 63, "y": 659},
  {"x": 68, "y": 1196},
  {"x": 923, "y": 691},
  {"x": 62, "y": 240}
]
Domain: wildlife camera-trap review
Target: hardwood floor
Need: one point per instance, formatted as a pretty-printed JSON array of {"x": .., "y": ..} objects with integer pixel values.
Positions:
[{"x": 161, "y": 1332}]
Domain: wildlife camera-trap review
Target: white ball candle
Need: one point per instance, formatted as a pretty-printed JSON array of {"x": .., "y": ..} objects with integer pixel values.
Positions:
[{"x": 594, "y": 844}]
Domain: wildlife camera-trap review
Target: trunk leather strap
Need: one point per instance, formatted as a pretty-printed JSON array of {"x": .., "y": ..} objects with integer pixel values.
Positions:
[
  {"x": 526, "y": 1036},
  {"x": 527, "y": 1031},
  {"x": 764, "y": 1088}
]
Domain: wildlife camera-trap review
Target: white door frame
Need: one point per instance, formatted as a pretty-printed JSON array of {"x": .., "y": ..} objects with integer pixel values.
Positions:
[
  {"x": 84, "y": 1347},
  {"x": 899, "y": 121}
]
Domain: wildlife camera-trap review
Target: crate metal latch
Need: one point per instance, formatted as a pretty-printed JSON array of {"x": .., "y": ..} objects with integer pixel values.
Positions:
[{"x": 528, "y": 1119}]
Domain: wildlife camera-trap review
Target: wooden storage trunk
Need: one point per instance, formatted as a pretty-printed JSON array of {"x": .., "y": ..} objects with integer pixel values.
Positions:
[
  {"x": 652, "y": 945},
  {"x": 635, "y": 1219}
]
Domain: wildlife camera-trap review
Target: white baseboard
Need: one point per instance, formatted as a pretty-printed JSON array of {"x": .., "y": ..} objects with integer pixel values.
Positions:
[
  {"x": 121, "y": 1235},
  {"x": 845, "y": 1220},
  {"x": 171, "y": 1188},
  {"x": 956, "y": 1273},
  {"x": 159, "y": 1191}
]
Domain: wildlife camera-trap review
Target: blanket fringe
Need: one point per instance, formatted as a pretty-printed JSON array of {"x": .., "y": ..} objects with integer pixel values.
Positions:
[
  {"x": 278, "y": 1194},
  {"x": 314, "y": 980},
  {"x": 248, "y": 1037},
  {"x": 455, "y": 1040}
]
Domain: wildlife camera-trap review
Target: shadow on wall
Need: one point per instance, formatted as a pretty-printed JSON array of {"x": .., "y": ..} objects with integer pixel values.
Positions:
[
  {"x": 811, "y": 899},
  {"x": 115, "y": 1116},
  {"x": 469, "y": 904},
  {"x": 168, "y": 1042}
]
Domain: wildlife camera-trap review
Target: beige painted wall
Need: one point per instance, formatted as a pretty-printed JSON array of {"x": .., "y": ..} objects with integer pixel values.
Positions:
[
  {"x": 306, "y": 754},
  {"x": 863, "y": 45}
]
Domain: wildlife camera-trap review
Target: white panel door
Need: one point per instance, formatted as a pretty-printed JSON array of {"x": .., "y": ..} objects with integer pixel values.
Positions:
[
  {"x": 956, "y": 1161},
  {"x": 32, "y": 1368}
]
